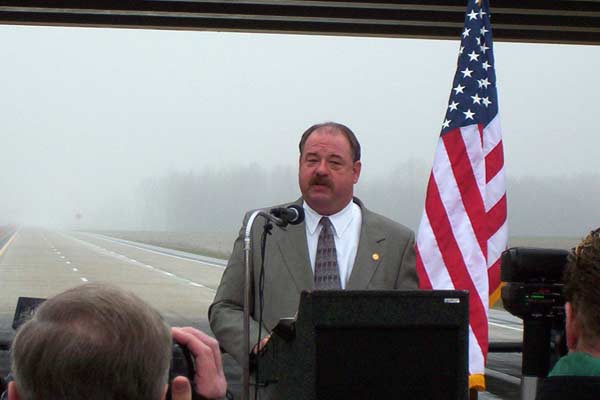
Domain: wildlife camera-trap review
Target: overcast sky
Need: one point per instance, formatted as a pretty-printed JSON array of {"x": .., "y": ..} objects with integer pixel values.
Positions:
[{"x": 86, "y": 112}]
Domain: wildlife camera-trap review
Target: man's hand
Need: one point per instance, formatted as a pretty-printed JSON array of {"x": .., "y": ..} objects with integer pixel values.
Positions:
[
  {"x": 209, "y": 380},
  {"x": 261, "y": 345},
  {"x": 181, "y": 389}
]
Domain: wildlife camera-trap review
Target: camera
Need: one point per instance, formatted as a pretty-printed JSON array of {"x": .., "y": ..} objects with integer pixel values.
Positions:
[
  {"x": 533, "y": 282},
  {"x": 182, "y": 364},
  {"x": 533, "y": 291}
]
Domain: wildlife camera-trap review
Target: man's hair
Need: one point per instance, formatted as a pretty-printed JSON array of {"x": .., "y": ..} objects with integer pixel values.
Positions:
[
  {"x": 354, "y": 145},
  {"x": 94, "y": 341},
  {"x": 582, "y": 284}
]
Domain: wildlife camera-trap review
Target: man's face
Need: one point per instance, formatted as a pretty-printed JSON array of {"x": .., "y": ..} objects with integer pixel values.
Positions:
[{"x": 327, "y": 173}]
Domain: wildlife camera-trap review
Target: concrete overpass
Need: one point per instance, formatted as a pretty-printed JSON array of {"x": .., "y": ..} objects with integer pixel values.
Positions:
[{"x": 544, "y": 21}]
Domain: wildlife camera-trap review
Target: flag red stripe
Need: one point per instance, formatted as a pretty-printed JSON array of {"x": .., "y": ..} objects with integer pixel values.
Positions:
[
  {"x": 496, "y": 216},
  {"x": 456, "y": 266},
  {"x": 494, "y": 162},
  {"x": 424, "y": 282},
  {"x": 467, "y": 185},
  {"x": 494, "y": 276}
]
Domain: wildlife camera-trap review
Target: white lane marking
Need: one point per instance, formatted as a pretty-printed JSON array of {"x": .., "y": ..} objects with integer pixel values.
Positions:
[
  {"x": 488, "y": 396},
  {"x": 62, "y": 256},
  {"x": 75, "y": 270},
  {"x": 158, "y": 252},
  {"x": 84, "y": 279},
  {"x": 505, "y": 326},
  {"x": 68, "y": 262},
  {"x": 146, "y": 265},
  {"x": 133, "y": 260}
]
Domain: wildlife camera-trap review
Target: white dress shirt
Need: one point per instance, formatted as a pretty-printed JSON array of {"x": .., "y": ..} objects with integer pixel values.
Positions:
[{"x": 346, "y": 232}]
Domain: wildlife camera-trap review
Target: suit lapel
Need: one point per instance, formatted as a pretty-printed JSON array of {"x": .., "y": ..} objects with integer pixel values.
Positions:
[
  {"x": 294, "y": 252},
  {"x": 369, "y": 253}
]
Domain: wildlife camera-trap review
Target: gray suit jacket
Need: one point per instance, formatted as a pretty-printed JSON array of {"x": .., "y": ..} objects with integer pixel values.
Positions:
[{"x": 385, "y": 259}]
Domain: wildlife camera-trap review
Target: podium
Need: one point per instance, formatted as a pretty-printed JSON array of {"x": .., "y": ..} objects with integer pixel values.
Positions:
[{"x": 370, "y": 345}]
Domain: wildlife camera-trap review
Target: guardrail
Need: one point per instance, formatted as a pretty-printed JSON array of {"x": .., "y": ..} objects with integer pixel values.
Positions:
[{"x": 505, "y": 347}]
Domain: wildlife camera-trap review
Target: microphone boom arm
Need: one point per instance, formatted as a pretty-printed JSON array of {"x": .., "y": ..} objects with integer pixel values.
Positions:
[{"x": 247, "y": 247}]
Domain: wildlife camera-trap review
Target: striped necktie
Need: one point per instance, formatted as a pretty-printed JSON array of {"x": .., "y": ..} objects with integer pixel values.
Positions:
[{"x": 327, "y": 275}]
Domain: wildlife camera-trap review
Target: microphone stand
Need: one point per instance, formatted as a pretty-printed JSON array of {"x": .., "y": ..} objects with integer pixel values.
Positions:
[{"x": 247, "y": 247}]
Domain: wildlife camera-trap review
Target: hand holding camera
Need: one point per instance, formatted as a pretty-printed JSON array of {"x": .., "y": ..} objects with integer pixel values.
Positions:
[{"x": 199, "y": 360}]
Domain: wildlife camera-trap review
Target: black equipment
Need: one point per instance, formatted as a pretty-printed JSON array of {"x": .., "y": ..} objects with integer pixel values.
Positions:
[
  {"x": 533, "y": 291},
  {"x": 533, "y": 282},
  {"x": 371, "y": 344},
  {"x": 25, "y": 309},
  {"x": 182, "y": 364}
]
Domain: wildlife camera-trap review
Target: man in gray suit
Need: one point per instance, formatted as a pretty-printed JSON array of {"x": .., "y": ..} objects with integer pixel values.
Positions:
[{"x": 365, "y": 250}]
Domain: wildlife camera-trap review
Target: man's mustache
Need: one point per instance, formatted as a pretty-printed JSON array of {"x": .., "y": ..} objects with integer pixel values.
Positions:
[{"x": 323, "y": 181}]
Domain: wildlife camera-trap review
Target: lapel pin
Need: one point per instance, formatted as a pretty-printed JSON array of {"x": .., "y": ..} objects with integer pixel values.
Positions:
[{"x": 375, "y": 256}]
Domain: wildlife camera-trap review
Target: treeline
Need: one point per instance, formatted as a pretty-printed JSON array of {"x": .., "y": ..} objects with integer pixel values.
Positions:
[{"x": 215, "y": 200}]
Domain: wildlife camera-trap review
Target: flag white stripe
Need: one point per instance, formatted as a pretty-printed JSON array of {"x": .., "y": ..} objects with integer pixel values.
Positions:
[
  {"x": 432, "y": 257},
  {"x": 494, "y": 190},
  {"x": 459, "y": 221},
  {"x": 497, "y": 243},
  {"x": 476, "y": 362},
  {"x": 472, "y": 140},
  {"x": 492, "y": 135}
]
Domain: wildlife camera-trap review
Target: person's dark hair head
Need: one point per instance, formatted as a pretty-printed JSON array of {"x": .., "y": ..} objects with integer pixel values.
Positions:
[
  {"x": 354, "y": 144},
  {"x": 92, "y": 342},
  {"x": 582, "y": 284}
]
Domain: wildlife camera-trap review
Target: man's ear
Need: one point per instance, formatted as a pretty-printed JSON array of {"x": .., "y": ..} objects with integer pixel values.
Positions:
[
  {"x": 356, "y": 167},
  {"x": 13, "y": 394},
  {"x": 571, "y": 327}
]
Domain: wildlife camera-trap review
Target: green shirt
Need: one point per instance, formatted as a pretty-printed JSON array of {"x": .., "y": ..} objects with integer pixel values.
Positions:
[{"x": 577, "y": 364}]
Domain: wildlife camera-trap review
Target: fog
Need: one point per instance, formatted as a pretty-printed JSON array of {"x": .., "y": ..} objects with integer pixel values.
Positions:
[{"x": 185, "y": 131}]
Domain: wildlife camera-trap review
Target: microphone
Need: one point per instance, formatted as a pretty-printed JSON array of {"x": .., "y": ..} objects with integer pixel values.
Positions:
[{"x": 292, "y": 215}]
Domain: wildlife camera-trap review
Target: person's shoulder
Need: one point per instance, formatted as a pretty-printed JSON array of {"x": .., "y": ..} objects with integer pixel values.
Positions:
[
  {"x": 385, "y": 223},
  {"x": 577, "y": 363},
  {"x": 571, "y": 387}
]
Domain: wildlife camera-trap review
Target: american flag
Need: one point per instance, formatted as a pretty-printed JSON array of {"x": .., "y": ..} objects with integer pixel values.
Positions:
[{"x": 463, "y": 229}]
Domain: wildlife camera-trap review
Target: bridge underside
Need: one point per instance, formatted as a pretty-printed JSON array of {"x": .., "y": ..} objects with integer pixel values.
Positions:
[{"x": 545, "y": 21}]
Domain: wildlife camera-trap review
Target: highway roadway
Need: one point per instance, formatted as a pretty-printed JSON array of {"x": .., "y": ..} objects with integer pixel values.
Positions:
[{"x": 181, "y": 286}]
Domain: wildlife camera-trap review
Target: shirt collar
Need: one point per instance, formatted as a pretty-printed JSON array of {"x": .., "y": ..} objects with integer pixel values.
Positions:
[{"x": 340, "y": 220}]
